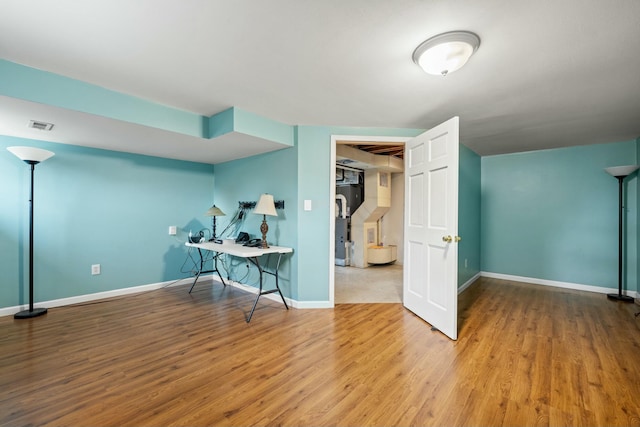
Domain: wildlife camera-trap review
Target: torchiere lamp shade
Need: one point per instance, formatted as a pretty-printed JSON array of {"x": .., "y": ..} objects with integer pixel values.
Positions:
[
  {"x": 617, "y": 171},
  {"x": 31, "y": 154}
]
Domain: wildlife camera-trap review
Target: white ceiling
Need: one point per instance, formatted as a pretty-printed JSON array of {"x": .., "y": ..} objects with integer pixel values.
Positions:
[{"x": 547, "y": 73}]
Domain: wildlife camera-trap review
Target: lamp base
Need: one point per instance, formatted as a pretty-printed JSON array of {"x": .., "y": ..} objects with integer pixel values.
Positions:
[
  {"x": 264, "y": 228},
  {"x": 27, "y": 314},
  {"x": 618, "y": 297}
]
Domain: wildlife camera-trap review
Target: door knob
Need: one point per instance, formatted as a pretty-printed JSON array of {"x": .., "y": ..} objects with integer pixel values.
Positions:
[
  {"x": 447, "y": 239},
  {"x": 457, "y": 238}
]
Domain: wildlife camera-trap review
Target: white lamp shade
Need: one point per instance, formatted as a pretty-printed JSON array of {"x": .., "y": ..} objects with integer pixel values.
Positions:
[
  {"x": 31, "y": 154},
  {"x": 621, "y": 170},
  {"x": 266, "y": 206},
  {"x": 214, "y": 211},
  {"x": 446, "y": 53}
]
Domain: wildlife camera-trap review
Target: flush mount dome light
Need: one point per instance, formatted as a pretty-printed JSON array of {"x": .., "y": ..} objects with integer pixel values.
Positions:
[{"x": 447, "y": 52}]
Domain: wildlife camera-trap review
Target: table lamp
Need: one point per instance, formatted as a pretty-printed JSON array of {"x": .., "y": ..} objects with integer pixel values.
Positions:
[
  {"x": 213, "y": 212},
  {"x": 264, "y": 207}
]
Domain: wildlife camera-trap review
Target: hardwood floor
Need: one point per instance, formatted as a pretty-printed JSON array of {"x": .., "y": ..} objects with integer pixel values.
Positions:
[{"x": 527, "y": 355}]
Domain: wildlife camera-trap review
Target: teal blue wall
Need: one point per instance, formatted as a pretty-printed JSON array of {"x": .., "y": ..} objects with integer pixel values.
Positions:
[
  {"x": 245, "y": 122},
  {"x": 31, "y": 84},
  {"x": 96, "y": 207},
  {"x": 552, "y": 214},
  {"x": 468, "y": 215},
  {"x": 245, "y": 180}
]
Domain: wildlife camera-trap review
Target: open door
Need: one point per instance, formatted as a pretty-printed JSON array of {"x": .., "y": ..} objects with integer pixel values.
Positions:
[{"x": 430, "y": 281}]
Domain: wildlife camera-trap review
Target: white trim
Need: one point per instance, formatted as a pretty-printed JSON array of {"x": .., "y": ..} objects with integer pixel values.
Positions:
[
  {"x": 79, "y": 299},
  {"x": 332, "y": 222},
  {"x": 248, "y": 288},
  {"x": 276, "y": 297},
  {"x": 468, "y": 283},
  {"x": 564, "y": 285},
  {"x": 6, "y": 311},
  {"x": 313, "y": 304}
]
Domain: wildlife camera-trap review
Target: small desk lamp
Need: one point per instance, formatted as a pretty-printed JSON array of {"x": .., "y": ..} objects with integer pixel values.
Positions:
[
  {"x": 264, "y": 207},
  {"x": 213, "y": 212},
  {"x": 31, "y": 156}
]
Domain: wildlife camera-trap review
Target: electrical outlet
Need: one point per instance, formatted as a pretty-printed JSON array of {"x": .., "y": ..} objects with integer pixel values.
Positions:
[
  {"x": 95, "y": 269},
  {"x": 173, "y": 230},
  {"x": 465, "y": 263}
]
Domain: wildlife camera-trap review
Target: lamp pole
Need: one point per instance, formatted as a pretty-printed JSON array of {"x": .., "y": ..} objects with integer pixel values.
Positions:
[
  {"x": 620, "y": 173},
  {"x": 31, "y": 156},
  {"x": 32, "y": 312}
]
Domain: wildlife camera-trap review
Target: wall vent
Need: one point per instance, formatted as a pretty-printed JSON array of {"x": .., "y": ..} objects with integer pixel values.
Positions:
[{"x": 35, "y": 124}]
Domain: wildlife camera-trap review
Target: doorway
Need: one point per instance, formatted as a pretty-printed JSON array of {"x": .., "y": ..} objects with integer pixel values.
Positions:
[{"x": 379, "y": 281}]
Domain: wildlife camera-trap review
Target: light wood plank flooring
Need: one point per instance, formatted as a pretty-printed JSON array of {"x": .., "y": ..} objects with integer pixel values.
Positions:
[{"x": 527, "y": 355}]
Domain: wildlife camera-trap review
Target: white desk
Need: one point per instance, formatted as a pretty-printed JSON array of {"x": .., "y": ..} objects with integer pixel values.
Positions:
[{"x": 252, "y": 254}]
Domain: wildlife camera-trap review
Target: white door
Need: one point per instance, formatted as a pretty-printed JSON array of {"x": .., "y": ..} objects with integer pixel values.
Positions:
[{"x": 430, "y": 282}]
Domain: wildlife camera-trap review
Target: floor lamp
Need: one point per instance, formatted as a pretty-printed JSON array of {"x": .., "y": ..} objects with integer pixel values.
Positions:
[
  {"x": 31, "y": 156},
  {"x": 620, "y": 173}
]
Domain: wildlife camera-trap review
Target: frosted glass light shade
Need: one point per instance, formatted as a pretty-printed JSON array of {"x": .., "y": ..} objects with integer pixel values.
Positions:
[
  {"x": 265, "y": 206},
  {"x": 214, "y": 211},
  {"x": 31, "y": 154},
  {"x": 447, "y": 52},
  {"x": 621, "y": 170}
]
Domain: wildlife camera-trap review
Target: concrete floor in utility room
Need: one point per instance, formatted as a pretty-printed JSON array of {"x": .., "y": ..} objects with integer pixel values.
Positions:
[{"x": 375, "y": 284}]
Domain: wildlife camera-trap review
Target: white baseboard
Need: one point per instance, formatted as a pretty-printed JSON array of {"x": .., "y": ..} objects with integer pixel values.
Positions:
[
  {"x": 6, "y": 311},
  {"x": 565, "y": 285},
  {"x": 468, "y": 283},
  {"x": 276, "y": 297},
  {"x": 313, "y": 304},
  {"x": 273, "y": 297}
]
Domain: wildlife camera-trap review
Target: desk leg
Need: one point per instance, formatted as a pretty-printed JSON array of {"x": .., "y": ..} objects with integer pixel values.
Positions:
[
  {"x": 277, "y": 284},
  {"x": 254, "y": 261},
  {"x": 257, "y": 264},
  {"x": 201, "y": 269},
  {"x": 215, "y": 268}
]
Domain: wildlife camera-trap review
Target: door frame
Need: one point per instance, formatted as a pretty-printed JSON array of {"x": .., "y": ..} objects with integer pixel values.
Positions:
[{"x": 332, "y": 197}]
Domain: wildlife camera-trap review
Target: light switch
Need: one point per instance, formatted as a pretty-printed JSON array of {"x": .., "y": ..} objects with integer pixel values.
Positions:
[{"x": 307, "y": 205}]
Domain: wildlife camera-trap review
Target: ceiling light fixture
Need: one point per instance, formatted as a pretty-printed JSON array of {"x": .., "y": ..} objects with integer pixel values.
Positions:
[{"x": 446, "y": 52}]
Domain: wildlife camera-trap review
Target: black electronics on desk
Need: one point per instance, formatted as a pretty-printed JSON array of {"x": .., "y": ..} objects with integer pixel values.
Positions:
[
  {"x": 243, "y": 237},
  {"x": 253, "y": 243}
]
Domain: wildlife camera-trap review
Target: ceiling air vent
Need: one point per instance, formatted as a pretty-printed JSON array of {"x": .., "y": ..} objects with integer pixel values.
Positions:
[{"x": 34, "y": 124}]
